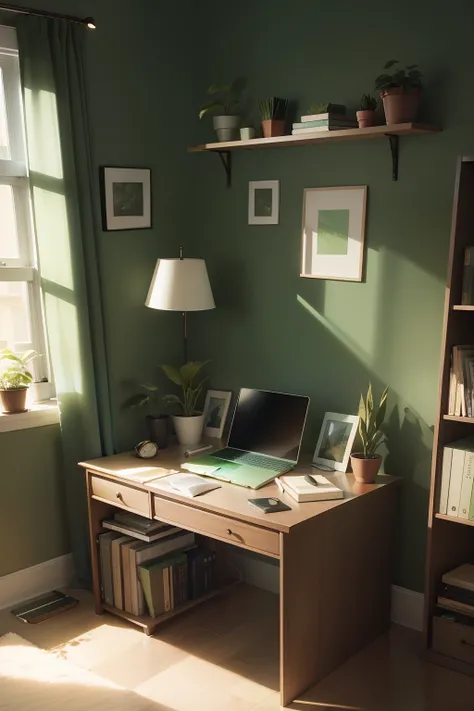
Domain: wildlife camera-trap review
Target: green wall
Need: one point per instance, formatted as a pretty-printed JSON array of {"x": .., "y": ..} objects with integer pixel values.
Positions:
[
  {"x": 136, "y": 73},
  {"x": 272, "y": 329}
]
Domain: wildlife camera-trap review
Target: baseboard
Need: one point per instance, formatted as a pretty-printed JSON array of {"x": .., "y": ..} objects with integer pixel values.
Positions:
[
  {"x": 407, "y": 608},
  {"x": 29, "y": 582}
]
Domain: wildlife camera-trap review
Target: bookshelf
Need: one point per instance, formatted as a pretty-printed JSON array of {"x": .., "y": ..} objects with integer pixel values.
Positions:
[{"x": 450, "y": 540}]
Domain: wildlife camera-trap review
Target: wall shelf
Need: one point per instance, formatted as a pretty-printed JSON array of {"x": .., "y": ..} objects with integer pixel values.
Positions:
[
  {"x": 463, "y": 307},
  {"x": 458, "y": 418},
  {"x": 392, "y": 132},
  {"x": 454, "y": 519}
]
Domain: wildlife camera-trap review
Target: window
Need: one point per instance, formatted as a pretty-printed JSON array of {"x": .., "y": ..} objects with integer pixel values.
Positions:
[{"x": 21, "y": 313}]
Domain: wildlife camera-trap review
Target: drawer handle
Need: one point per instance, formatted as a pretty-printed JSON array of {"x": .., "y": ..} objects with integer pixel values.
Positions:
[
  {"x": 119, "y": 495},
  {"x": 228, "y": 530}
]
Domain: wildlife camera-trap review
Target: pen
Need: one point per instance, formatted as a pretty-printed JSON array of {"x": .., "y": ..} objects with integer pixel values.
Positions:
[{"x": 190, "y": 452}]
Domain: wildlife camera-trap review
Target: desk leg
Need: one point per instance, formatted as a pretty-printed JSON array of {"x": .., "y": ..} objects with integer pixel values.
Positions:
[{"x": 97, "y": 511}]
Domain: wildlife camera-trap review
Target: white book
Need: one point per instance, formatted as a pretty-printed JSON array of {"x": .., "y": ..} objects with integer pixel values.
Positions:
[
  {"x": 321, "y": 129},
  {"x": 445, "y": 478},
  {"x": 302, "y": 490},
  {"x": 466, "y": 486},
  {"x": 457, "y": 469},
  {"x": 461, "y": 577}
]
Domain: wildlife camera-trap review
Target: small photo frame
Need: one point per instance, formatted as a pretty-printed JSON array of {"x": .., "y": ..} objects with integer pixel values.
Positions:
[
  {"x": 333, "y": 233},
  {"x": 335, "y": 441},
  {"x": 126, "y": 198},
  {"x": 216, "y": 408},
  {"x": 264, "y": 202}
]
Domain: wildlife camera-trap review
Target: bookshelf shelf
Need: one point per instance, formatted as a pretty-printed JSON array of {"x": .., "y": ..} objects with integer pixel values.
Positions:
[
  {"x": 457, "y": 418},
  {"x": 392, "y": 132},
  {"x": 454, "y": 519},
  {"x": 463, "y": 307}
]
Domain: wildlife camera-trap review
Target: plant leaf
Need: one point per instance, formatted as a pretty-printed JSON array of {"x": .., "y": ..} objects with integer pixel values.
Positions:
[
  {"x": 390, "y": 63},
  {"x": 210, "y": 107},
  {"x": 221, "y": 88},
  {"x": 172, "y": 374},
  {"x": 188, "y": 371},
  {"x": 149, "y": 386},
  {"x": 28, "y": 355},
  {"x": 135, "y": 401}
]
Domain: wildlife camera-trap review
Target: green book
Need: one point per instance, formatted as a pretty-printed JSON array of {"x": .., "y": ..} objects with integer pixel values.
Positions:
[
  {"x": 468, "y": 277},
  {"x": 152, "y": 580},
  {"x": 342, "y": 121}
]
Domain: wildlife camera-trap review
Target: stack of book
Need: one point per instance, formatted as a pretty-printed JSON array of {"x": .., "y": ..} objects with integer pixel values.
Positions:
[
  {"x": 461, "y": 380},
  {"x": 334, "y": 119},
  {"x": 313, "y": 487},
  {"x": 456, "y": 592},
  {"x": 467, "y": 298},
  {"x": 456, "y": 496},
  {"x": 120, "y": 555}
]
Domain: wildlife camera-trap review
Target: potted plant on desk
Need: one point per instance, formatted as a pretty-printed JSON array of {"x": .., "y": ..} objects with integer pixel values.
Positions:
[
  {"x": 157, "y": 421},
  {"x": 15, "y": 380},
  {"x": 366, "y": 464},
  {"x": 400, "y": 92},
  {"x": 189, "y": 423}
]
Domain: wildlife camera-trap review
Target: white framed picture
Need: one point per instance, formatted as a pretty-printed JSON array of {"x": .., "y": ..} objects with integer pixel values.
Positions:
[
  {"x": 126, "y": 198},
  {"x": 264, "y": 202},
  {"x": 335, "y": 441},
  {"x": 333, "y": 233},
  {"x": 216, "y": 408}
]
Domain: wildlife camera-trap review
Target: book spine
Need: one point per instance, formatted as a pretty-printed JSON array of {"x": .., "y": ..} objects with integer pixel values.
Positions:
[
  {"x": 466, "y": 486},
  {"x": 325, "y": 122},
  {"x": 321, "y": 129},
  {"x": 183, "y": 574},
  {"x": 334, "y": 110},
  {"x": 176, "y": 585},
  {"x": 445, "y": 477},
  {"x": 166, "y": 588},
  {"x": 468, "y": 277},
  {"x": 457, "y": 469},
  {"x": 106, "y": 569}
]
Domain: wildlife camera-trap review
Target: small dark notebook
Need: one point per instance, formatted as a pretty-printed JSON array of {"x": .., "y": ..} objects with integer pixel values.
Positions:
[{"x": 269, "y": 505}]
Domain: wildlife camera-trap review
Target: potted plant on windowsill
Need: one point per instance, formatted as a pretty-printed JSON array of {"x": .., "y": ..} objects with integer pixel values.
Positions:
[
  {"x": 366, "y": 464},
  {"x": 400, "y": 92},
  {"x": 157, "y": 421},
  {"x": 227, "y": 97},
  {"x": 15, "y": 380},
  {"x": 190, "y": 421},
  {"x": 366, "y": 113},
  {"x": 273, "y": 114}
]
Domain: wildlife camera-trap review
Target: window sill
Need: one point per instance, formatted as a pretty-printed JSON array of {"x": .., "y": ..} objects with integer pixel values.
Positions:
[{"x": 40, "y": 415}]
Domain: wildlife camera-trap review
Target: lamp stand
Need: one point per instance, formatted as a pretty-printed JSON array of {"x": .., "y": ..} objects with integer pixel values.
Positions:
[{"x": 185, "y": 335}]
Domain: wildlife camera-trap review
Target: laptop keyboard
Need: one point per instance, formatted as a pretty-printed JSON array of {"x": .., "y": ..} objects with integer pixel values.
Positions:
[{"x": 254, "y": 460}]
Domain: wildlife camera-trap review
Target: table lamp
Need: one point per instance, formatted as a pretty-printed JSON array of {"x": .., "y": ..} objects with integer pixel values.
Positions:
[{"x": 180, "y": 285}]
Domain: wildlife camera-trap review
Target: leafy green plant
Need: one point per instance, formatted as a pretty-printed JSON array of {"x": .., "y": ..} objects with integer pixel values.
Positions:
[
  {"x": 367, "y": 102},
  {"x": 227, "y": 98},
  {"x": 16, "y": 375},
  {"x": 185, "y": 378},
  {"x": 149, "y": 398},
  {"x": 408, "y": 77},
  {"x": 370, "y": 422},
  {"x": 327, "y": 107},
  {"x": 273, "y": 109}
]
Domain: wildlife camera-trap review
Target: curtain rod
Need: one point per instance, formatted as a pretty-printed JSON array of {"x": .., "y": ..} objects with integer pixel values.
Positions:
[{"x": 88, "y": 21}]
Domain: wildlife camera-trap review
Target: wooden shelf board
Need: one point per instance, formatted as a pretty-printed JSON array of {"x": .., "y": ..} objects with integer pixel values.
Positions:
[
  {"x": 150, "y": 623},
  {"x": 350, "y": 134},
  {"x": 457, "y": 418},
  {"x": 463, "y": 307},
  {"x": 455, "y": 519}
]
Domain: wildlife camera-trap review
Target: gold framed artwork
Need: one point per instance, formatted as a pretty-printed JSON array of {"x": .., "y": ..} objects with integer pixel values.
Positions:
[{"x": 333, "y": 233}]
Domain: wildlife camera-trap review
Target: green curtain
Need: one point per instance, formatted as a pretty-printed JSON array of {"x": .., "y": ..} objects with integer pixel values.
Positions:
[{"x": 63, "y": 193}]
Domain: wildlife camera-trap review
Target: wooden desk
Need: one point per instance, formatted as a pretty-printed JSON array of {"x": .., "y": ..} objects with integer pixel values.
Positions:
[{"x": 335, "y": 556}]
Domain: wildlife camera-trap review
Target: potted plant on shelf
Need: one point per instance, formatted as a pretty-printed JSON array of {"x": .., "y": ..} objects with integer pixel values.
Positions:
[
  {"x": 366, "y": 113},
  {"x": 157, "y": 421},
  {"x": 400, "y": 91},
  {"x": 15, "y": 380},
  {"x": 366, "y": 464},
  {"x": 189, "y": 423},
  {"x": 273, "y": 115},
  {"x": 226, "y": 99}
]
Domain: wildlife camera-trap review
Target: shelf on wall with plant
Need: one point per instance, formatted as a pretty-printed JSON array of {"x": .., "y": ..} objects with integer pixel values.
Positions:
[
  {"x": 15, "y": 379},
  {"x": 189, "y": 422},
  {"x": 366, "y": 115},
  {"x": 400, "y": 91},
  {"x": 157, "y": 421},
  {"x": 226, "y": 100}
]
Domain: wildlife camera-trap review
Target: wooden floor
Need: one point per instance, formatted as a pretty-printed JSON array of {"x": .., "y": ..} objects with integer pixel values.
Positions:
[{"x": 224, "y": 656}]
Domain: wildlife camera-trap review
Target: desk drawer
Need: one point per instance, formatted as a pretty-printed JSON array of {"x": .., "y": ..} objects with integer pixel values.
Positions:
[
  {"x": 453, "y": 639},
  {"x": 213, "y": 525},
  {"x": 121, "y": 495}
]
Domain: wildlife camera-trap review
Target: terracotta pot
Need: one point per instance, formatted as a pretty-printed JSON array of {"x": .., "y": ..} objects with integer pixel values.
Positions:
[
  {"x": 365, "y": 118},
  {"x": 400, "y": 105},
  {"x": 13, "y": 401},
  {"x": 365, "y": 470},
  {"x": 271, "y": 127}
]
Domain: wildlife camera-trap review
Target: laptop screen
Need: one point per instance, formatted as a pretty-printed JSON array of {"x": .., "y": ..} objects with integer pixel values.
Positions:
[{"x": 269, "y": 423}]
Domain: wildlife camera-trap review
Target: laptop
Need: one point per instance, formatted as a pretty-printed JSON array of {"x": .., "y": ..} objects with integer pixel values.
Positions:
[{"x": 264, "y": 440}]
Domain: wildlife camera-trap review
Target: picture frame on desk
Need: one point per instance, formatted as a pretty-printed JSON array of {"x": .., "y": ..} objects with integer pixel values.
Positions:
[
  {"x": 335, "y": 441},
  {"x": 216, "y": 408}
]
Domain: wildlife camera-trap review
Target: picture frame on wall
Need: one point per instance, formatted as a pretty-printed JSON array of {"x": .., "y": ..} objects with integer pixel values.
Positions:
[
  {"x": 216, "y": 408},
  {"x": 264, "y": 202},
  {"x": 333, "y": 233},
  {"x": 335, "y": 441},
  {"x": 126, "y": 198}
]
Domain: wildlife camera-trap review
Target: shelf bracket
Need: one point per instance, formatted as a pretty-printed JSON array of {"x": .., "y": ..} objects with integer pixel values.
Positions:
[
  {"x": 226, "y": 160},
  {"x": 394, "y": 148}
]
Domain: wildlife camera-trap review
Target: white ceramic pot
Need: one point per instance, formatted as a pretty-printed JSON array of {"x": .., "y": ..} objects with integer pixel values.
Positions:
[
  {"x": 247, "y": 133},
  {"x": 188, "y": 429},
  {"x": 226, "y": 127}
]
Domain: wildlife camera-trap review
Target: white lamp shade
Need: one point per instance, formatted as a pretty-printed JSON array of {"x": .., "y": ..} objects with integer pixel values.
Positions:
[{"x": 180, "y": 285}]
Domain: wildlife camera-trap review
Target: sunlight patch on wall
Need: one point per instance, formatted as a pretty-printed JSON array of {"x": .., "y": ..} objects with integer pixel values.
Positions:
[
  {"x": 63, "y": 334},
  {"x": 53, "y": 237},
  {"x": 44, "y": 148}
]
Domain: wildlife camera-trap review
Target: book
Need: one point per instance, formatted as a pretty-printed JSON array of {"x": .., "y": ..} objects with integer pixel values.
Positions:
[
  {"x": 461, "y": 577},
  {"x": 467, "y": 297},
  {"x": 461, "y": 383},
  {"x": 455, "y": 606},
  {"x": 331, "y": 121},
  {"x": 105, "y": 558},
  {"x": 191, "y": 484},
  {"x": 302, "y": 490},
  {"x": 200, "y": 572},
  {"x": 459, "y": 449},
  {"x": 152, "y": 579},
  {"x": 321, "y": 129},
  {"x": 466, "y": 486},
  {"x": 166, "y": 588},
  {"x": 162, "y": 532},
  {"x": 127, "y": 573},
  {"x": 445, "y": 478},
  {"x": 332, "y": 110},
  {"x": 452, "y": 592},
  {"x": 117, "y": 580},
  {"x": 145, "y": 525}
]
